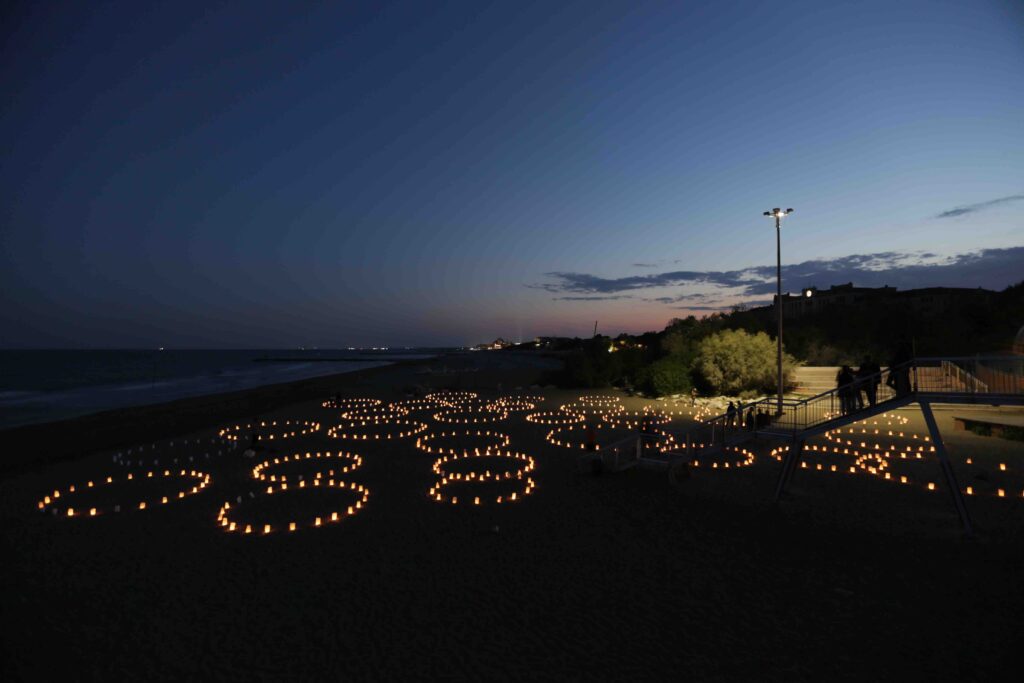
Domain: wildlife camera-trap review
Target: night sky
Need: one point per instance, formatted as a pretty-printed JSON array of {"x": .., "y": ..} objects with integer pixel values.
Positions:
[{"x": 369, "y": 173}]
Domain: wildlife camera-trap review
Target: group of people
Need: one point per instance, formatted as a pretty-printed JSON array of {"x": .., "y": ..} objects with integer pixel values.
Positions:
[
  {"x": 859, "y": 387},
  {"x": 738, "y": 415}
]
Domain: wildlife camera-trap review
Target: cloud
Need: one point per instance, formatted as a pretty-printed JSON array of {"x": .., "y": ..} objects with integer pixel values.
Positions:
[
  {"x": 656, "y": 264},
  {"x": 703, "y": 298},
  {"x": 593, "y": 298},
  {"x": 980, "y": 206},
  {"x": 989, "y": 268}
]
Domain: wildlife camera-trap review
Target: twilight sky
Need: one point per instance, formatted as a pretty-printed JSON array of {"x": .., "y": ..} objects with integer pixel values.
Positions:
[{"x": 256, "y": 175}]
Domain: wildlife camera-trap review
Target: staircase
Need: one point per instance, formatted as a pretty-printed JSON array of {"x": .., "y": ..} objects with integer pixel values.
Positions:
[
  {"x": 814, "y": 380},
  {"x": 990, "y": 380}
]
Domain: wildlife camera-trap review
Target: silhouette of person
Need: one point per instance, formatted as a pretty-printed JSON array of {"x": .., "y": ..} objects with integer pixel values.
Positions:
[
  {"x": 730, "y": 414},
  {"x": 868, "y": 379},
  {"x": 844, "y": 382},
  {"x": 899, "y": 370}
]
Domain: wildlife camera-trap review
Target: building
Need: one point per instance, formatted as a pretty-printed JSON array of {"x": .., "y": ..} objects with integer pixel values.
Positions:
[
  {"x": 495, "y": 345},
  {"x": 926, "y": 301}
]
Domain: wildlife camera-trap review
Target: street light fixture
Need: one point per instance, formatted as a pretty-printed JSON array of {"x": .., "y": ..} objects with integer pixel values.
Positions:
[{"x": 778, "y": 215}]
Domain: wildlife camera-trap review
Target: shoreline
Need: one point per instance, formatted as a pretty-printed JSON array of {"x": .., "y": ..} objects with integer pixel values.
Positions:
[
  {"x": 44, "y": 443},
  {"x": 36, "y": 445}
]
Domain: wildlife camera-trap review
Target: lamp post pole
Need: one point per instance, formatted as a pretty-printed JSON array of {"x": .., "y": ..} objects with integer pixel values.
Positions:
[{"x": 778, "y": 215}]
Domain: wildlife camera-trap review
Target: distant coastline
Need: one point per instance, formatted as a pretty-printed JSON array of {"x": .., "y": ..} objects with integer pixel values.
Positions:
[
  {"x": 46, "y": 442},
  {"x": 39, "y": 386}
]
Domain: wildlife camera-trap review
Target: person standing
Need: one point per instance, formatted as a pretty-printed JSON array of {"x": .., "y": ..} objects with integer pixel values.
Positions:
[
  {"x": 869, "y": 379},
  {"x": 899, "y": 370},
  {"x": 730, "y": 414},
  {"x": 844, "y": 383}
]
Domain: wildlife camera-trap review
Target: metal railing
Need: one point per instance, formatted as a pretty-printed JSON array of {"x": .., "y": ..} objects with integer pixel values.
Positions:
[
  {"x": 981, "y": 379},
  {"x": 964, "y": 378}
]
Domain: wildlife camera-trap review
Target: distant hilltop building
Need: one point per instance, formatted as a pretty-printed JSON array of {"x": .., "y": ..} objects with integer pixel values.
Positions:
[
  {"x": 927, "y": 301},
  {"x": 495, "y": 345}
]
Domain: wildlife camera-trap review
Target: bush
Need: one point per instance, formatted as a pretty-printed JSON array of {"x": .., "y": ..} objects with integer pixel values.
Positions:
[
  {"x": 670, "y": 375},
  {"x": 734, "y": 361}
]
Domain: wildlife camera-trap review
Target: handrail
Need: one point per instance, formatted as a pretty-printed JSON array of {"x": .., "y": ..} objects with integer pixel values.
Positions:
[{"x": 925, "y": 375}]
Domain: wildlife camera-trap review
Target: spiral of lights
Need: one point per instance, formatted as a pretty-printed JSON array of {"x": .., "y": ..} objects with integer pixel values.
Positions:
[
  {"x": 513, "y": 405},
  {"x": 565, "y": 437},
  {"x": 198, "y": 481},
  {"x": 229, "y": 525},
  {"x": 860, "y": 449},
  {"x": 599, "y": 400},
  {"x": 411, "y": 405},
  {"x": 595, "y": 409},
  {"x": 347, "y": 462},
  {"x": 374, "y": 412},
  {"x": 525, "y": 464},
  {"x": 149, "y": 455},
  {"x": 700, "y": 414},
  {"x": 471, "y": 416},
  {"x": 731, "y": 457},
  {"x": 344, "y": 404},
  {"x": 636, "y": 419},
  {"x": 452, "y": 397},
  {"x": 283, "y": 429},
  {"x": 555, "y": 417},
  {"x": 364, "y": 430},
  {"x": 428, "y": 442}
]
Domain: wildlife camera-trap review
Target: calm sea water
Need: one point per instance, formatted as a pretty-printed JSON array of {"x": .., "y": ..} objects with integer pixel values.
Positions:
[{"x": 40, "y": 386}]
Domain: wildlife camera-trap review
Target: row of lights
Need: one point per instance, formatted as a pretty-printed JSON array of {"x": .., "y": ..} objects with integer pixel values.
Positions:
[
  {"x": 417, "y": 404},
  {"x": 558, "y": 435},
  {"x": 528, "y": 464},
  {"x": 597, "y": 400},
  {"x": 636, "y": 419},
  {"x": 451, "y": 397},
  {"x": 260, "y": 473},
  {"x": 226, "y": 523},
  {"x": 438, "y": 493},
  {"x": 591, "y": 409},
  {"x": 343, "y": 404},
  {"x": 555, "y": 417},
  {"x": 746, "y": 459},
  {"x": 200, "y": 480},
  {"x": 374, "y": 412},
  {"x": 471, "y": 415},
  {"x": 291, "y": 429},
  {"x": 363, "y": 430},
  {"x": 496, "y": 440},
  {"x": 701, "y": 414},
  {"x": 514, "y": 405}
]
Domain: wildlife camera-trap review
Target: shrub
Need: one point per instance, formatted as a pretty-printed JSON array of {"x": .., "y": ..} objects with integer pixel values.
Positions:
[
  {"x": 670, "y": 375},
  {"x": 734, "y": 361}
]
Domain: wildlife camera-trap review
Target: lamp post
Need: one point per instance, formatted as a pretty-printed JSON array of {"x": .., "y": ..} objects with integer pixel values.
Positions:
[{"x": 778, "y": 215}]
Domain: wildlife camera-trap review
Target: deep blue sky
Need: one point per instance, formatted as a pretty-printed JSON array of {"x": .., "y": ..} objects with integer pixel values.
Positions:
[{"x": 363, "y": 173}]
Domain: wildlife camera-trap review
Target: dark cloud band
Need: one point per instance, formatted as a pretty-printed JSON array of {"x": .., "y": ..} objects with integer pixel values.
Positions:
[
  {"x": 980, "y": 206},
  {"x": 990, "y": 268}
]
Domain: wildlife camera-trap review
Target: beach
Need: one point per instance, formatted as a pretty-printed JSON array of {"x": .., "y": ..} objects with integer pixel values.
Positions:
[{"x": 624, "y": 576}]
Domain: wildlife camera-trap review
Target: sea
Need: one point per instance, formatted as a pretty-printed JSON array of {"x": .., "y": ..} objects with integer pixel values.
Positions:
[{"x": 46, "y": 385}]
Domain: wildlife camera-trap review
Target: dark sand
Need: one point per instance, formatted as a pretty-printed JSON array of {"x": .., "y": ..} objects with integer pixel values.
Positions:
[{"x": 615, "y": 577}]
